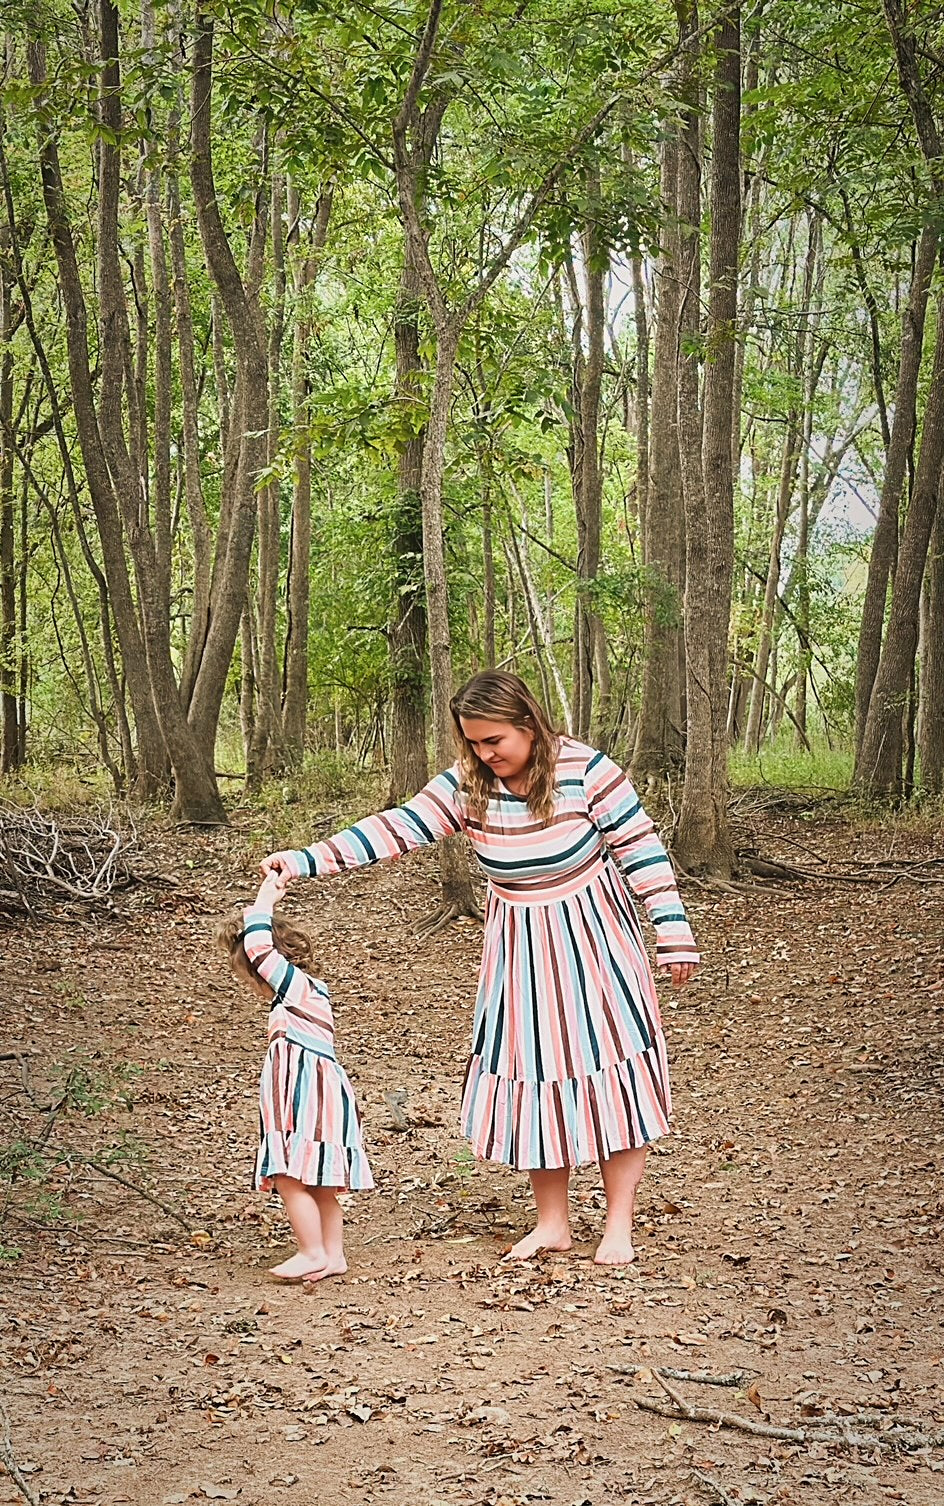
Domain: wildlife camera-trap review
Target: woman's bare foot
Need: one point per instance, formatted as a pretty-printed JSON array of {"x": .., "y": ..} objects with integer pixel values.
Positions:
[
  {"x": 301, "y": 1267},
  {"x": 615, "y": 1249},
  {"x": 543, "y": 1237},
  {"x": 334, "y": 1267}
]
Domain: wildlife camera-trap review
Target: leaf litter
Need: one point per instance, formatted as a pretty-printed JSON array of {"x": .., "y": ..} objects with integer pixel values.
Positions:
[{"x": 789, "y": 1233}]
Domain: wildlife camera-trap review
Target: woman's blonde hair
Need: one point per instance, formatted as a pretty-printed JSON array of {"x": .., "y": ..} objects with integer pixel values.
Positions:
[
  {"x": 496, "y": 696},
  {"x": 289, "y": 940}
]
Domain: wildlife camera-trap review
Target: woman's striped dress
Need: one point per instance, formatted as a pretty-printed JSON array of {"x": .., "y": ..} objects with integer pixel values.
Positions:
[
  {"x": 309, "y": 1126},
  {"x": 568, "y": 1061}
]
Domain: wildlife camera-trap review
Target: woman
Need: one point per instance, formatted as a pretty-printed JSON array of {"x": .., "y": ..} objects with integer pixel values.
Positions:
[{"x": 568, "y": 1060}]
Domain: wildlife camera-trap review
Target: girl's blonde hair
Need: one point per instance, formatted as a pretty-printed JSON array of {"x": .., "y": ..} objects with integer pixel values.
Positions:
[
  {"x": 289, "y": 940},
  {"x": 496, "y": 696}
]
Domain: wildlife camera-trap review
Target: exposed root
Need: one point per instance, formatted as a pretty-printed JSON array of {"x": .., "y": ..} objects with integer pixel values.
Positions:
[{"x": 444, "y": 915}]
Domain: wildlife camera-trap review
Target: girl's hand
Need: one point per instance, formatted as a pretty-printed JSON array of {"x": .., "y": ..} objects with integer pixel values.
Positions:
[
  {"x": 272, "y": 888},
  {"x": 283, "y": 863},
  {"x": 681, "y": 972}
]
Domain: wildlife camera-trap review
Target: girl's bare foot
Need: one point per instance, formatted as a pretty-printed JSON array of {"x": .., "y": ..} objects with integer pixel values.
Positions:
[
  {"x": 543, "y": 1237},
  {"x": 335, "y": 1267},
  {"x": 301, "y": 1267},
  {"x": 615, "y": 1249}
]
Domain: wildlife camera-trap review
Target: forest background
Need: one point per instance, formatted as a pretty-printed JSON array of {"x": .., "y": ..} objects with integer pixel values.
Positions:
[{"x": 345, "y": 350}]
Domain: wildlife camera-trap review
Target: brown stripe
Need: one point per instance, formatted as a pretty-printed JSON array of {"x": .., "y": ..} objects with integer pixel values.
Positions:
[
  {"x": 559, "y": 1117},
  {"x": 595, "y": 1116}
]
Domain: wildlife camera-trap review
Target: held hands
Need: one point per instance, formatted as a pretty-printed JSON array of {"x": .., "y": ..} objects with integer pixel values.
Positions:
[{"x": 272, "y": 889}]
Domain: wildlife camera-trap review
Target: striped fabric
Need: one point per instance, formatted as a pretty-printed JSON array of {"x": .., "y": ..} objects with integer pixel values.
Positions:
[
  {"x": 568, "y": 1060},
  {"x": 309, "y": 1127}
]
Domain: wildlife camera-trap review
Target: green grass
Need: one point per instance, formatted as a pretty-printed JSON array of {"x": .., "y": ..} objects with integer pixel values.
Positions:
[{"x": 782, "y": 765}]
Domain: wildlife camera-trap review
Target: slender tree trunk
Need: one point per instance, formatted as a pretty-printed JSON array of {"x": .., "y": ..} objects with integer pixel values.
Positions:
[
  {"x": 659, "y": 741},
  {"x": 590, "y": 328},
  {"x": 265, "y": 749},
  {"x": 704, "y": 837},
  {"x": 304, "y": 271},
  {"x": 457, "y": 884},
  {"x": 641, "y": 322},
  {"x": 488, "y": 572},
  {"x": 200, "y": 532},
  {"x": 249, "y": 417},
  {"x": 407, "y": 627},
  {"x": 885, "y": 537},
  {"x": 931, "y": 705},
  {"x": 878, "y": 769},
  {"x": 151, "y": 755},
  {"x": 10, "y": 743}
]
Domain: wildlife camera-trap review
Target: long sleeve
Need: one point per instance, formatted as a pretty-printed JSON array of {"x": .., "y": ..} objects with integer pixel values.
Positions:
[
  {"x": 432, "y": 814},
  {"x": 616, "y": 811},
  {"x": 301, "y": 995}
]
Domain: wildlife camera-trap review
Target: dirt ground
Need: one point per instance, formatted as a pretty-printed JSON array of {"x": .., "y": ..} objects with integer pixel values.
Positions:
[{"x": 789, "y": 1232}]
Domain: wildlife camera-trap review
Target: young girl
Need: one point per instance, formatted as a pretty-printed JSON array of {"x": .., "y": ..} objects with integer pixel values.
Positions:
[{"x": 310, "y": 1137}]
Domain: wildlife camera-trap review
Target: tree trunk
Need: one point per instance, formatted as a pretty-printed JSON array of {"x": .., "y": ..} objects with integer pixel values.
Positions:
[
  {"x": 407, "y": 626},
  {"x": 885, "y": 537},
  {"x": 295, "y": 702},
  {"x": 931, "y": 704},
  {"x": 249, "y": 416},
  {"x": 878, "y": 768},
  {"x": 456, "y": 881},
  {"x": 265, "y": 755},
  {"x": 704, "y": 839},
  {"x": 151, "y": 754},
  {"x": 642, "y": 395},
  {"x": 10, "y": 742},
  {"x": 589, "y": 326},
  {"x": 659, "y": 745}
]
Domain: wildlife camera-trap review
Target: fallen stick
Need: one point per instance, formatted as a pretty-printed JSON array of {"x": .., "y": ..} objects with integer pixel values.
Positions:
[
  {"x": 697, "y": 1377},
  {"x": 711, "y": 1483},
  {"x": 9, "y": 1459},
  {"x": 115, "y": 1176},
  {"x": 910, "y": 1438}
]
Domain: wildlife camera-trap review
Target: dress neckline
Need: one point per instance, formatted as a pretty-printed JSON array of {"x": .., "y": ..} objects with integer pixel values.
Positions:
[{"x": 508, "y": 790}]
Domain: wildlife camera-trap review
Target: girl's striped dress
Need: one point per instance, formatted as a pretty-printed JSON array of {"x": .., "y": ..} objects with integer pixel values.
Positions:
[
  {"x": 568, "y": 1061},
  {"x": 309, "y": 1126}
]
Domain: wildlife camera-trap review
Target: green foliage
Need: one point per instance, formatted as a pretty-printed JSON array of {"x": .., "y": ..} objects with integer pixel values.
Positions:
[
  {"x": 35, "y": 1166},
  {"x": 782, "y": 765}
]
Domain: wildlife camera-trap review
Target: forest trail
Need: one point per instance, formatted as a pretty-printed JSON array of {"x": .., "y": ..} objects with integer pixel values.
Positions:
[{"x": 789, "y": 1229}]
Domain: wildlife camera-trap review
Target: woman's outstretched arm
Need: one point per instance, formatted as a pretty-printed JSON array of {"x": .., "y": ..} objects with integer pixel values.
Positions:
[{"x": 432, "y": 814}]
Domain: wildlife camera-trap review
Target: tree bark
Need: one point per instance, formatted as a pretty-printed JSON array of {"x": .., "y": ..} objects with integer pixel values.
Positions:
[
  {"x": 589, "y": 329},
  {"x": 264, "y": 753},
  {"x": 659, "y": 744},
  {"x": 151, "y": 752},
  {"x": 407, "y": 625},
  {"x": 704, "y": 840},
  {"x": 295, "y": 701},
  {"x": 249, "y": 417},
  {"x": 10, "y": 739},
  {"x": 878, "y": 769},
  {"x": 885, "y": 537},
  {"x": 931, "y": 702}
]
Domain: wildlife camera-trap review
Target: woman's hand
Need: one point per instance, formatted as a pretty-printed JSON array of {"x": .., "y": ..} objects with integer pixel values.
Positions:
[
  {"x": 284, "y": 863},
  {"x": 681, "y": 972}
]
